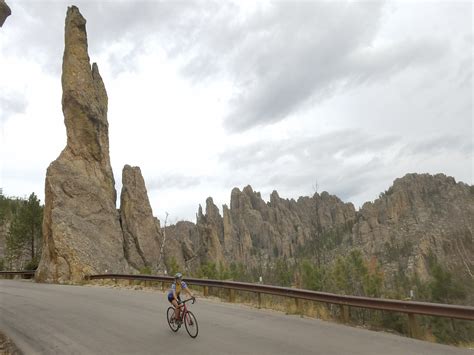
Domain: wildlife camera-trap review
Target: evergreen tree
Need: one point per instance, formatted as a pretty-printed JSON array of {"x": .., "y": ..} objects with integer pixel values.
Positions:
[{"x": 25, "y": 234}]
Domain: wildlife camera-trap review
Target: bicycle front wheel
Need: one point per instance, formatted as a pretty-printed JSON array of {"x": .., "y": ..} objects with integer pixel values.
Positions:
[
  {"x": 170, "y": 317},
  {"x": 191, "y": 324}
]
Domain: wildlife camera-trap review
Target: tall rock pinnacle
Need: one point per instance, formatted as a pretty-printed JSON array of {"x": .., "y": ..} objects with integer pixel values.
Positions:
[{"x": 81, "y": 226}]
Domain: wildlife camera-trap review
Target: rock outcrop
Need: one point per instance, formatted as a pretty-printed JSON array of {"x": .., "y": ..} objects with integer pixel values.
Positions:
[
  {"x": 181, "y": 246},
  {"x": 419, "y": 216},
  {"x": 4, "y": 12},
  {"x": 81, "y": 226},
  {"x": 140, "y": 231}
]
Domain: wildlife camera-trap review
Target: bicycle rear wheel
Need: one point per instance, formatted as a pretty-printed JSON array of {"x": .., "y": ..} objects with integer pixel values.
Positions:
[
  {"x": 191, "y": 324},
  {"x": 170, "y": 317}
]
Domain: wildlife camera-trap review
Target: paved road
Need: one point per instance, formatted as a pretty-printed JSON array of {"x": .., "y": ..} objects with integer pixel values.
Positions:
[{"x": 58, "y": 319}]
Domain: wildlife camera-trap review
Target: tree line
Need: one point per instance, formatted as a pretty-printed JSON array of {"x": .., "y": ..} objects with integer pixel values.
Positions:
[
  {"x": 21, "y": 234},
  {"x": 353, "y": 274}
]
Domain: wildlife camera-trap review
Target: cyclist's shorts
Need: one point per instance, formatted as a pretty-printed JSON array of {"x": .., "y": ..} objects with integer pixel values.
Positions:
[{"x": 170, "y": 298}]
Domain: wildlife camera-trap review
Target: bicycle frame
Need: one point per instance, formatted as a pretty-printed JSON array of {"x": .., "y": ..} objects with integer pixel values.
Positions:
[{"x": 183, "y": 309}]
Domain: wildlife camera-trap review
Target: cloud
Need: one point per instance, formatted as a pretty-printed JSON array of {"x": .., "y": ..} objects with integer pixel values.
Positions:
[
  {"x": 279, "y": 57},
  {"x": 11, "y": 104},
  {"x": 440, "y": 144},
  {"x": 348, "y": 163},
  {"x": 172, "y": 181},
  {"x": 342, "y": 144}
]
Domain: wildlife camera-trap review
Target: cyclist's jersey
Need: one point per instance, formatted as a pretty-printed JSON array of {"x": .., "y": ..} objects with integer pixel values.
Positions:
[{"x": 177, "y": 287}]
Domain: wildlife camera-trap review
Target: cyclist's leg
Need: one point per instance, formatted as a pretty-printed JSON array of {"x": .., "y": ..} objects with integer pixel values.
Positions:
[
  {"x": 176, "y": 308},
  {"x": 175, "y": 305}
]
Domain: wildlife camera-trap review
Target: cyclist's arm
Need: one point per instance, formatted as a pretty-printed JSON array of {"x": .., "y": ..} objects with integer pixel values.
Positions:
[{"x": 188, "y": 292}]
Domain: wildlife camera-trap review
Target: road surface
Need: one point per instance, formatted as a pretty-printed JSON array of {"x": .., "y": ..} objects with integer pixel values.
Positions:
[{"x": 60, "y": 319}]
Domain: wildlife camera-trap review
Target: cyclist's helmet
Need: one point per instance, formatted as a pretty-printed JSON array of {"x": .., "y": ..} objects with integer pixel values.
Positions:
[{"x": 178, "y": 276}]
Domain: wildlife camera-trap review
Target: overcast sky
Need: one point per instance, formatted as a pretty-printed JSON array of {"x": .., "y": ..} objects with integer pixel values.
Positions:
[{"x": 209, "y": 95}]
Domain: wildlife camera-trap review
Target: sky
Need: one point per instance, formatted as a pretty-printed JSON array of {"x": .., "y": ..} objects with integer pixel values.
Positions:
[{"x": 204, "y": 96}]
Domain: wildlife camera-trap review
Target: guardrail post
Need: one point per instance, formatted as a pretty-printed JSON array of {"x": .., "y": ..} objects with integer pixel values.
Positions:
[
  {"x": 344, "y": 313},
  {"x": 413, "y": 328},
  {"x": 162, "y": 285},
  {"x": 299, "y": 308},
  {"x": 231, "y": 295},
  {"x": 206, "y": 291},
  {"x": 259, "y": 299},
  {"x": 130, "y": 282}
]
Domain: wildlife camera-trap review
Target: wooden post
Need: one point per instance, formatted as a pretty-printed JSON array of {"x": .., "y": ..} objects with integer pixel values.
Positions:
[
  {"x": 231, "y": 295},
  {"x": 299, "y": 308},
  {"x": 162, "y": 285},
  {"x": 344, "y": 313},
  {"x": 259, "y": 300},
  {"x": 413, "y": 328},
  {"x": 206, "y": 291}
]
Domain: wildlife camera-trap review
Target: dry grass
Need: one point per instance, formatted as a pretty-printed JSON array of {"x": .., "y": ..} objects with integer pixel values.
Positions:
[{"x": 7, "y": 347}]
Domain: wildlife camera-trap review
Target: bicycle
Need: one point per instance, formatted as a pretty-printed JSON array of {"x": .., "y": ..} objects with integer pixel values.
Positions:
[{"x": 186, "y": 317}]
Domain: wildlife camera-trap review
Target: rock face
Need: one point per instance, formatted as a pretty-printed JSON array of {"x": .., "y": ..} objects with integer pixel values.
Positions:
[
  {"x": 253, "y": 232},
  {"x": 140, "y": 231},
  {"x": 419, "y": 215},
  {"x": 81, "y": 226},
  {"x": 181, "y": 246},
  {"x": 4, "y": 12}
]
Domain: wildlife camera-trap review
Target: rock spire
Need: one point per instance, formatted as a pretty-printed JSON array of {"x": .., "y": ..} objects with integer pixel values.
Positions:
[{"x": 81, "y": 226}]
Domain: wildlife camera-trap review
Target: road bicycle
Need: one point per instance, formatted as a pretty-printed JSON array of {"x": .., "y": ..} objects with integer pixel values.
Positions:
[{"x": 186, "y": 317}]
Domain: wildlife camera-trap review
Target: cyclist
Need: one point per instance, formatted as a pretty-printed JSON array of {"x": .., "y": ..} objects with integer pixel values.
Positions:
[{"x": 173, "y": 295}]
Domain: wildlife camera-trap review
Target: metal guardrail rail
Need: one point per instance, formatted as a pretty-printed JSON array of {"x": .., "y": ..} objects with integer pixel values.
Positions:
[
  {"x": 409, "y": 307},
  {"x": 22, "y": 273}
]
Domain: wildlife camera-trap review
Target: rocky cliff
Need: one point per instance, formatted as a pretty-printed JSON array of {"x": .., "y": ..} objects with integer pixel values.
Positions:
[
  {"x": 81, "y": 226},
  {"x": 419, "y": 215}
]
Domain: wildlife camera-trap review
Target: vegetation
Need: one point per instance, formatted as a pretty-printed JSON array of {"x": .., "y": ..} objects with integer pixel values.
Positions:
[
  {"x": 172, "y": 266},
  {"x": 21, "y": 221},
  {"x": 352, "y": 274}
]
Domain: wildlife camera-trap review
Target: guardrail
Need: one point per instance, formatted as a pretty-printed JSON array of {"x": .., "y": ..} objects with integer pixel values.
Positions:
[
  {"x": 14, "y": 273},
  {"x": 411, "y": 308}
]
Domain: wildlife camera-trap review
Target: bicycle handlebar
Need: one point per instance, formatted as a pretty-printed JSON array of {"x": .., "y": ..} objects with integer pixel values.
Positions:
[{"x": 189, "y": 299}]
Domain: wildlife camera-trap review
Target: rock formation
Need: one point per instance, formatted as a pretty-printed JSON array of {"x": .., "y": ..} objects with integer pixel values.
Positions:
[
  {"x": 140, "y": 231},
  {"x": 4, "y": 12},
  {"x": 419, "y": 215},
  {"x": 81, "y": 226},
  {"x": 181, "y": 246}
]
